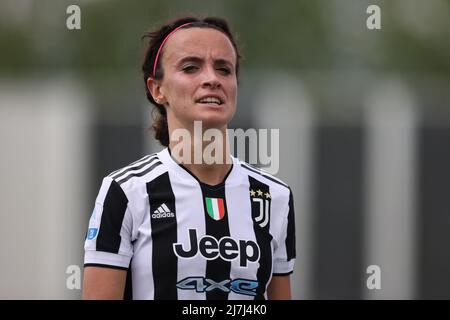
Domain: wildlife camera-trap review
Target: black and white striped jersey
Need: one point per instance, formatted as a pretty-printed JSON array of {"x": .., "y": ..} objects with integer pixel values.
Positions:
[{"x": 183, "y": 239}]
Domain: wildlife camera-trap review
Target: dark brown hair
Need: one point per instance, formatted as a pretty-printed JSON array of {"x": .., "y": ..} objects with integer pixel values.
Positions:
[{"x": 156, "y": 37}]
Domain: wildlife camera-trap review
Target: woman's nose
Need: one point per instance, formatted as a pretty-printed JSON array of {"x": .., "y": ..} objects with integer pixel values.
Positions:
[{"x": 210, "y": 78}]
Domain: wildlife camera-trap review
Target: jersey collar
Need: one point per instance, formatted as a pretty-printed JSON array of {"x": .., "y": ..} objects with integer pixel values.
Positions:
[{"x": 182, "y": 172}]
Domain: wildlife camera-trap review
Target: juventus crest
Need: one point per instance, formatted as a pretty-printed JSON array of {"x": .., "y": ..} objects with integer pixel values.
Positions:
[{"x": 260, "y": 206}]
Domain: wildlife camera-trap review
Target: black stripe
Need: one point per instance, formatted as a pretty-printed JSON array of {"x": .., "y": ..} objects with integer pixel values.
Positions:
[
  {"x": 338, "y": 206},
  {"x": 140, "y": 174},
  {"x": 433, "y": 207},
  {"x": 290, "y": 239},
  {"x": 128, "y": 293},
  {"x": 164, "y": 235},
  {"x": 101, "y": 265},
  {"x": 282, "y": 274},
  {"x": 142, "y": 159},
  {"x": 114, "y": 208},
  {"x": 258, "y": 171},
  {"x": 262, "y": 235},
  {"x": 120, "y": 175},
  {"x": 217, "y": 269}
]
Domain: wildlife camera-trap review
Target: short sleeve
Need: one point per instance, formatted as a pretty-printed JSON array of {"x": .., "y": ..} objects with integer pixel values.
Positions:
[
  {"x": 284, "y": 255},
  {"x": 108, "y": 239}
]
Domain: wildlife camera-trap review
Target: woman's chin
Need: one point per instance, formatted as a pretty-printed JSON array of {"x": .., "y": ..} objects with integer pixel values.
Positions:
[{"x": 213, "y": 122}]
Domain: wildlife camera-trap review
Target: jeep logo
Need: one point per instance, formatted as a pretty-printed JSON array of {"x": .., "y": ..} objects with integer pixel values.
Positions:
[{"x": 226, "y": 248}]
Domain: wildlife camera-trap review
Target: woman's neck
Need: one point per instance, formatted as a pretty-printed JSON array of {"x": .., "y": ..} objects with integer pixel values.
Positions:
[
  {"x": 209, "y": 161},
  {"x": 211, "y": 174}
]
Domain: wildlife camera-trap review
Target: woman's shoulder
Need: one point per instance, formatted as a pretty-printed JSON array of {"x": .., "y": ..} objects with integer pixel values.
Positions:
[
  {"x": 264, "y": 176},
  {"x": 137, "y": 171}
]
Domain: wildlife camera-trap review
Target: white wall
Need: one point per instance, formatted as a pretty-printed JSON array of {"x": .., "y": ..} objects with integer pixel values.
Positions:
[{"x": 44, "y": 141}]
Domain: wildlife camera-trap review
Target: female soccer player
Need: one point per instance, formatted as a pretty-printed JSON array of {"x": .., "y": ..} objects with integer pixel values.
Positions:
[{"x": 170, "y": 227}]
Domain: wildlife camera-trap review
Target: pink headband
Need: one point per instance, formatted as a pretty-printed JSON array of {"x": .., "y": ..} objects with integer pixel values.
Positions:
[{"x": 162, "y": 44}]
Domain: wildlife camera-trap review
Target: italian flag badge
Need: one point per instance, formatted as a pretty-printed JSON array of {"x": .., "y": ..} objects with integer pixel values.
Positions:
[{"x": 215, "y": 208}]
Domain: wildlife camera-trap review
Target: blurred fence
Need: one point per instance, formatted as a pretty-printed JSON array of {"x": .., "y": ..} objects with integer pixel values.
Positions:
[{"x": 370, "y": 186}]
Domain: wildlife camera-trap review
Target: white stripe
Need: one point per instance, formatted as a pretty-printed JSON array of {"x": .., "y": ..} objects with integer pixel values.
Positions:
[
  {"x": 131, "y": 172},
  {"x": 238, "y": 224},
  {"x": 117, "y": 173},
  {"x": 215, "y": 205},
  {"x": 195, "y": 266},
  {"x": 262, "y": 172},
  {"x": 165, "y": 207},
  {"x": 390, "y": 221},
  {"x": 296, "y": 124}
]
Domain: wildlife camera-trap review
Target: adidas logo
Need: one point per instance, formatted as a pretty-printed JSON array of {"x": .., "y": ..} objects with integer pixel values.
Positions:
[{"x": 162, "y": 212}]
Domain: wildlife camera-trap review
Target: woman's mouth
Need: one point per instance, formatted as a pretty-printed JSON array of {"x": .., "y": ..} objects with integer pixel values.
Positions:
[{"x": 210, "y": 100}]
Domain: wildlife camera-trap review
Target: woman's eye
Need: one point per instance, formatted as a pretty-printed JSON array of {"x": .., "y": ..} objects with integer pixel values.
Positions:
[
  {"x": 190, "y": 69},
  {"x": 224, "y": 71}
]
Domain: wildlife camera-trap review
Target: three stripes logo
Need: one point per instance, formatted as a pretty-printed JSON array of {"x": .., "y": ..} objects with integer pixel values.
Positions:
[
  {"x": 215, "y": 208},
  {"x": 263, "y": 199},
  {"x": 162, "y": 212}
]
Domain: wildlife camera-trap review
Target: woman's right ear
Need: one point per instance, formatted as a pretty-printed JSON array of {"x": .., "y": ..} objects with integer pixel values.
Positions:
[{"x": 154, "y": 86}]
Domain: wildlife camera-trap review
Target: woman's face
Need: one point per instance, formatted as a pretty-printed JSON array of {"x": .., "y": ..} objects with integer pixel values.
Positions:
[{"x": 199, "y": 80}]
